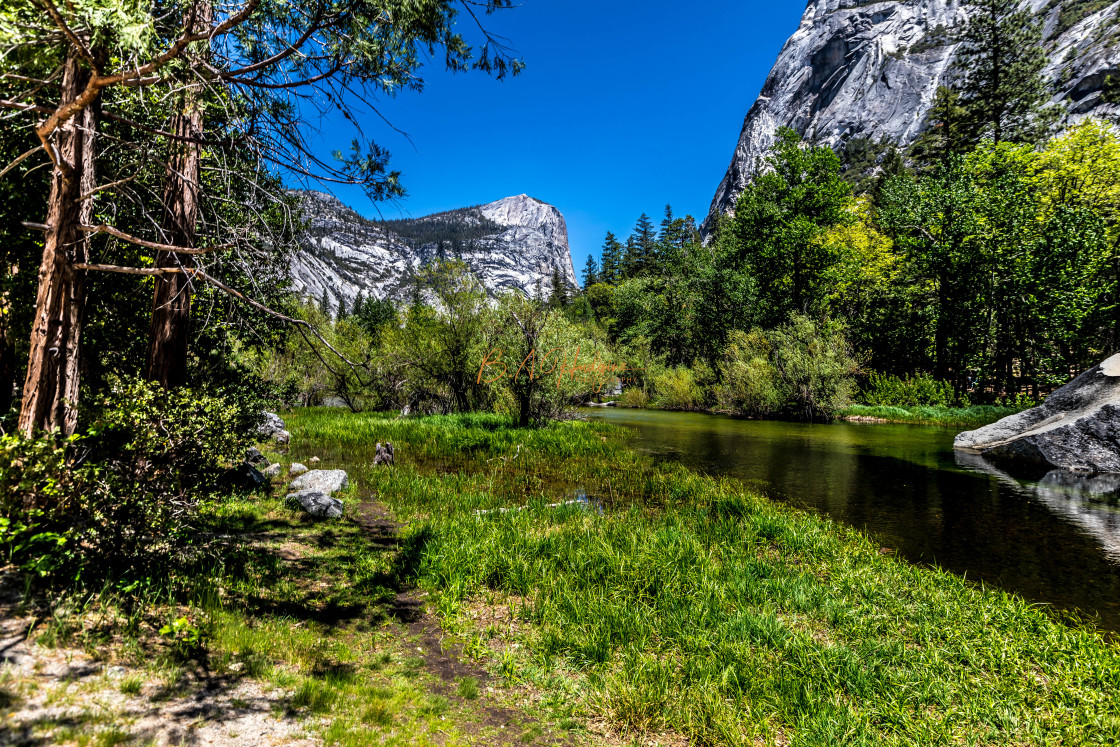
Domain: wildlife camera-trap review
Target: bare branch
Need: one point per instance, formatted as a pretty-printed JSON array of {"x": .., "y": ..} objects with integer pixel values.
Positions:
[
  {"x": 25, "y": 107},
  {"x": 103, "y": 187},
  {"x": 94, "y": 230},
  {"x": 20, "y": 159}
]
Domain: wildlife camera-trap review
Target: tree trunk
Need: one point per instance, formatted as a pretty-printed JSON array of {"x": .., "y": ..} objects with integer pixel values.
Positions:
[
  {"x": 169, "y": 332},
  {"x": 50, "y": 394}
]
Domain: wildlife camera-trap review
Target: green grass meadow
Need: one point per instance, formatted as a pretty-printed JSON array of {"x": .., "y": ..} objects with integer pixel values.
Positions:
[{"x": 691, "y": 605}]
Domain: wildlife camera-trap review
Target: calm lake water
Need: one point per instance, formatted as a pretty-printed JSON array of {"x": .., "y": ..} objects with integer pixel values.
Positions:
[{"x": 1049, "y": 541}]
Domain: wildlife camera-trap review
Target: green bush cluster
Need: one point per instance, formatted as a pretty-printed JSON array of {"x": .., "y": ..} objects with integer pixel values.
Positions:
[
  {"x": 123, "y": 501},
  {"x": 920, "y": 390},
  {"x": 802, "y": 369}
]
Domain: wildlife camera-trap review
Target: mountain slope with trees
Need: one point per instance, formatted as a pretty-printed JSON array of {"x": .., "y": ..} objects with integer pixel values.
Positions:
[{"x": 872, "y": 70}]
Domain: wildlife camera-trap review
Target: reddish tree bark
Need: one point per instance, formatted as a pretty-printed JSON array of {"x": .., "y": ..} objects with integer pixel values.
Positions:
[
  {"x": 50, "y": 394},
  {"x": 169, "y": 333}
]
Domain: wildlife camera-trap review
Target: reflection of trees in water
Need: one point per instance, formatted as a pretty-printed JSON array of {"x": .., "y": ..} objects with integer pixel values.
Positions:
[{"x": 1090, "y": 502}]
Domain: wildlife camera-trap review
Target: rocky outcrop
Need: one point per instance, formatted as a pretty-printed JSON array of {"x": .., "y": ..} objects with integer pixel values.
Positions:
[
  {"x": 870, "y": 69},
  {"x": 316, "y": 503},
  {"x": 1076, "y": 429},
  {"x": 511, "y": 244}
]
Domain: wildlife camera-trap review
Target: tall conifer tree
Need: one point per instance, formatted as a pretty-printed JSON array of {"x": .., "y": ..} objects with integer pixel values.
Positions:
[
  {"x": 1004, "y": 91},
  {"x": 610, "y": 266},
  {"x": 590, "y": 272}
]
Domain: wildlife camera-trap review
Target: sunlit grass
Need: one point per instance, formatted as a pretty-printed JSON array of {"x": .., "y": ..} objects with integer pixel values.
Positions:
[
  {"x": 963, "y": 416},
  {"x": 692, "y": 605}
]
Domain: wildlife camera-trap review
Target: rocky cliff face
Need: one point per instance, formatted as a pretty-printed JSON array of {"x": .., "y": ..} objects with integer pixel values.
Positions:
[
  {"x": 511, "y": 244},
  {"x": 871, "y": 69}
]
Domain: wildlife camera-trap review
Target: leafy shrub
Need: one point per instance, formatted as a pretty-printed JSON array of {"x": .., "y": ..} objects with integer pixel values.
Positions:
[
  {"x": 921, "y": 390},
  {"x": 748, "y": 380},
  {"x": 802, "y": 369},
  {"x": 682, "y": 388},
  {"x": 816, "y": 367},
  {"x": 633, "y": 396},
  {"x": 123, "y": 501}
]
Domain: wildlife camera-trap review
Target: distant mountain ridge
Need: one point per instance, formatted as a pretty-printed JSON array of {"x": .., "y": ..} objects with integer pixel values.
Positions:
[
  {"x": 871, "y": 69},
  {"x": 511, "y": 244}
]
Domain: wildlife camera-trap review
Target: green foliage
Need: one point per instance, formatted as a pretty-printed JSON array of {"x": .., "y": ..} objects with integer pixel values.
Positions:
[
  {"x": 539, "y": 363},
  {"x": 920, "y": 390},
  {"x": 439, "y": 348},
  {"x": 946, "y": 133},
  {"x": 675, "y": 604},
  {"x": 748, "y": 379},
  {"x": 779, "y": 220},
  {"x": 866, "y": 163},
  {"x": 454, "y": 229},
  {"x": 815, "y": 366},
  {"x": 682, "y": 387},
  {"x": 802, "y": 369},
  {"x": 1074, "y": 11},
  {"x": 123, "y": 502}
]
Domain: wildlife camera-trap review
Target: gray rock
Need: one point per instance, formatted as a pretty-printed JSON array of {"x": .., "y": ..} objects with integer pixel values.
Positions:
[
  {"x": 254, "y": 457},
  {"x": 271, "y": 471},
  {"x": 1077, "y": 428},
  {"x": 317, "y": 503},
  {"x": 271, "y": 424},
  {"x": 282, "y": 437},
  {"x": 871, "y": 69},
  {"x": 297, "y": 469},
  {"x": 324, "y": 480},
  {"x": 343, "y": 254}
]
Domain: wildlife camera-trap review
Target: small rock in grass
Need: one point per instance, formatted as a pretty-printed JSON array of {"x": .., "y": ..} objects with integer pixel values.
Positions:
[
  {"x": 313, "y": 461},
  {"x": 283, "y": 437},
  {"x": 324, "y": 480},
  {"x": 254, "y": 457},
  {"x": 271, "y": 424},
  {"x": 271, "y": 471},
  {"x": 297, "y": 469},
  {"x": 317, "y": 503}
]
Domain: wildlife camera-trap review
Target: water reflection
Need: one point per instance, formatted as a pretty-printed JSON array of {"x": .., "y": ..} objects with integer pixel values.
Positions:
[
  {"x": 1092, "y": 502},
  {"x": 1054, "y": 540}
]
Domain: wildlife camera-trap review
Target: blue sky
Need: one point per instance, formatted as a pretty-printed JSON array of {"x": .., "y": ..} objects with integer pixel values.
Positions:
[{"x": 623, "y": 107}]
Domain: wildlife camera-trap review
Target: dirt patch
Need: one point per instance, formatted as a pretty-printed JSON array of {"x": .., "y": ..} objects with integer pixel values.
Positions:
[
  {"x": 444, "y": 660},
  {"x": 63, "y": 695}
]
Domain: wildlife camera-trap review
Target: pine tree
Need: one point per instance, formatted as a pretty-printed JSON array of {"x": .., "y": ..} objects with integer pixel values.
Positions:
[
  {"x": 631, "y": 263},
  {"x": 325, "y": 303},
  {"x": 558, "y": 290},
  {"x": 646, "y": 244},
  {"x": 945, "y": 134},
  {"x": 359, "y": 304},
  {"x": 342, "y": 313},
  {"x": 610, "y": 266},
  {"x": 590, "y": 272},
  {"x": 1004, "y": 91}
]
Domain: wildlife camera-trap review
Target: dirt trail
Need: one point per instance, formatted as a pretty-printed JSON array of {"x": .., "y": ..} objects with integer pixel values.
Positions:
[{"x": 64, "y": 695}]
